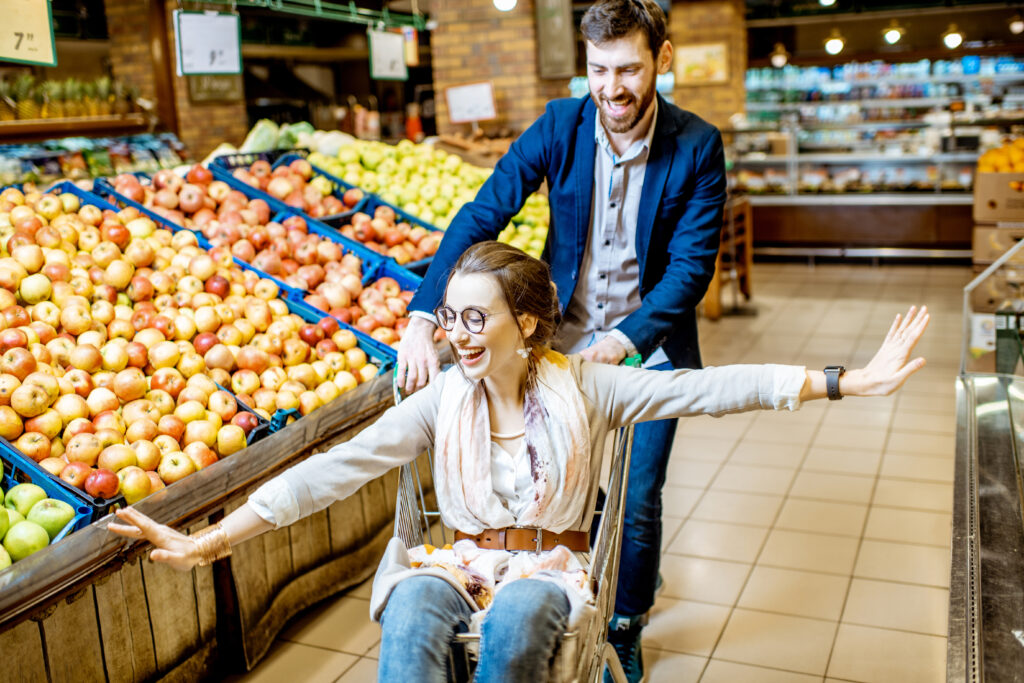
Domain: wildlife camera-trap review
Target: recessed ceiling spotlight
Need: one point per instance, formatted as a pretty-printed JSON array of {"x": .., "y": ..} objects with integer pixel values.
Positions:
[
  {"x": 504, "y": 5},
  {"x": 1016, "y": 24},
  {"x": 779, "y": 56},
  {"x": 826, "y": 3},
  {"x": 893, "y": 32},
  {"x": 835, "y": 43},
  {"x": 952, "y": 37}
]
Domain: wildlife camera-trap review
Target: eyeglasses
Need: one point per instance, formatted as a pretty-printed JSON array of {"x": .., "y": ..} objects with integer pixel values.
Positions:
[{"x": 472, "y": 318}]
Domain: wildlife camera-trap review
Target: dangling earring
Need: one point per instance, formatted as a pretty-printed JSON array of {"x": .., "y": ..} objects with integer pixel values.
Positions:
[{"x": 524, "y": 353}]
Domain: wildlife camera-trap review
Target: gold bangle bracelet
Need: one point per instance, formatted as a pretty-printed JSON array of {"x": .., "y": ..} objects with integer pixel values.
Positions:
[{"x": 212, "y": 544}]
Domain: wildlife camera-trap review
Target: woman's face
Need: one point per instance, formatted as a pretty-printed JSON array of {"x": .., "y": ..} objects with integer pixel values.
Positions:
[{"x": 492, "y": 350}]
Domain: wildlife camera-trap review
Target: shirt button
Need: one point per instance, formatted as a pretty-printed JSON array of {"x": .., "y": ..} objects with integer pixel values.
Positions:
[
  {"x": 600, "y": 329},
  {"x": 602, "y": 276},
  {"x": 607, "y": 243},
  {"x": 600, "y": 306},
  {"x": 612, "y": 205}
]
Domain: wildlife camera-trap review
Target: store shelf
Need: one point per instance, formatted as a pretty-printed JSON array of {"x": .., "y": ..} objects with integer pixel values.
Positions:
[
  {"x": 856, "y": 83},
  {"x": 85, "y": 125},
  {"x": 918, "y": 102},
  {"x": 856, "y": 158},
  {"x": 865, "y": 199}
]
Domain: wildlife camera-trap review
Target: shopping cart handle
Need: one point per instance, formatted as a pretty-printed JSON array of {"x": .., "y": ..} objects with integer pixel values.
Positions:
[{"x": 634, "y": 361}]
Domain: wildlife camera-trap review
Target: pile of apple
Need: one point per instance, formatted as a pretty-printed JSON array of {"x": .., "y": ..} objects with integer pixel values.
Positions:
[
  {"x": 384, "y": 235},
  {"x": 114, "y": 335},
  {"x": 379, "y": 310},
  {"x": 29, "y": 521},
  {"x": 296, "y": 185}
]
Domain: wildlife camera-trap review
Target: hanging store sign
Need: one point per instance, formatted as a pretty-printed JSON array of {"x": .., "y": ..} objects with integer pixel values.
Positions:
[
  {"x": 387, "y": 56},
  {"x": 412, "y": 45},
  {"x": 471, "y": 102},
  {"x": 215, "y": 88},
  {"x": 208, "y": 43},
  {"x": 27, "y": 34}
]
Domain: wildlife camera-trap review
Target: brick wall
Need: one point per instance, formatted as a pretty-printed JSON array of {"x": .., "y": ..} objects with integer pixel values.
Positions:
[
  {"x": 201, "y": 126},
  {"x": 476, "y": 42},
  {"x": 712, "y": 21}
]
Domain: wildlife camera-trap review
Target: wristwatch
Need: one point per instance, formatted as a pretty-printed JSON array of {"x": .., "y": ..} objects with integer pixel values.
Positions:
[{"x": 832, "y": 375}]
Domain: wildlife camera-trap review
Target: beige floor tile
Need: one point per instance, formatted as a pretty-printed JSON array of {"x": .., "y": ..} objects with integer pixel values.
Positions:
[
  {"x": 678, "y": 501},
  {"x": 703, "y": 580},
  {"x": 374, "y": 652},
  {"x": 919, "y": 467},
  {"x": 690, "y": 472},
  {"x": 750, "y": 452},
  {"x": 670, "y": 526},
  {"x": 921, "y": 564},
  {"x": 931, "y": 423},
  {"x": 918, "y": 495},
  {"x": 809, "y": 551},
  {"x": 850, "y": 437},
  {"x": 686, "y": 447},
  {"x": 842, "y": 460},
  {"x": 927, "y": 403},
  {"x": 895, "y": 656},
  {"x": 719, "y": 541},
  {"x": 361, "y": 591},
  {"x": 296, "y": 662},
  {"x": 684, "y": 626},
  {"x": 846, "y": 519},
  {"x": 727, "y": 427},
  {"x": 744, "y": 508},
  {"x": 854, "y": 415},
  {"x": 777, "y": 641},
  {"x": 921, "y": 609},
  {"x": 796, "y": 433},
  {"x": 363, "y": 671},
  {"x": 661, "y": 666},
  {"x": 808, "y": 415},
  {"x": 843, "y": 488},
  {"x": 753, "y": 479},
  {"x": 916, "y": 443},
  {"x": 342, "y": 624},
  {"x": 799, "y": 593},
  {"x": 909, "y": 526},
  {"x": 731, "y": 672}
]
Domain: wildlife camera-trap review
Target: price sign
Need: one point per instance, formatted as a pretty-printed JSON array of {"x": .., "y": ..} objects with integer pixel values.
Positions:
[
  {"x": 387, "y": 56},
  {"x": 471, "y": 102},
  {"x": 26, "y": 34},
  {"x": 208, "y": 43}
]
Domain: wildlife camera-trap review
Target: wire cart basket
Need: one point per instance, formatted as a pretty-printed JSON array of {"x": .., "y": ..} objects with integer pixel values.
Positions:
[{"x": 584, "y": 652}]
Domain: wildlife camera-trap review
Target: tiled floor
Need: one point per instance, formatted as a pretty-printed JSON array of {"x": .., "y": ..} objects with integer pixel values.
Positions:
[{"x": 807, "y": 546}]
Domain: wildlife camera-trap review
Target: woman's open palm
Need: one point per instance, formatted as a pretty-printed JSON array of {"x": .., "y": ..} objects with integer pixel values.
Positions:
[
  {"x": 172, "y": 547},
  {"x": 892, "y": 365}
]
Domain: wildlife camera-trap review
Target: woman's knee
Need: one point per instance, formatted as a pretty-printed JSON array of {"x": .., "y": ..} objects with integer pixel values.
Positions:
[
  {"x": 421, "y": 600},
  {"x": 526, "y": 600}
]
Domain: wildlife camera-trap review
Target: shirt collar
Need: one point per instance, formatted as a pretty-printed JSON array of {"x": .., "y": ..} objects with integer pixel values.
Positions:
[{"x": 601, "y": 136}]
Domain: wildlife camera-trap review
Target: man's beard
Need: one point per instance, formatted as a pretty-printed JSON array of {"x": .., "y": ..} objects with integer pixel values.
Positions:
[{"x": 626, "y": 124}]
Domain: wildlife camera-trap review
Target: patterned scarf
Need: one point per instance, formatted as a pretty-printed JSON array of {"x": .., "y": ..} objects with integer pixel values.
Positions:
[{"x": 557, "y": 441}]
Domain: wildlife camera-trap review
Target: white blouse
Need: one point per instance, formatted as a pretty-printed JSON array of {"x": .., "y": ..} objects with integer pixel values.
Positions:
[{"x": 511, "y": 478}]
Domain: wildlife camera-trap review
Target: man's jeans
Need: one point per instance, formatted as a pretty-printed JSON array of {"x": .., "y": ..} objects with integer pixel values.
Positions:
[
  {"x": 519, "y": 633},
  {"x": 641, "y": 535}
]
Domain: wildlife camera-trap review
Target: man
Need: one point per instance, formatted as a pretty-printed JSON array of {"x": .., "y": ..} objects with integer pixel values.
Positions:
[{"x": 636, "y": 188}]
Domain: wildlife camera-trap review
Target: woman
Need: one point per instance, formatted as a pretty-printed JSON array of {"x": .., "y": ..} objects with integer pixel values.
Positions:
[{"x": 518, "y": 433}]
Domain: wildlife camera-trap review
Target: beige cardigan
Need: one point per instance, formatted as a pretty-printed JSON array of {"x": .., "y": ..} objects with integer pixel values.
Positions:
[{"x": 614, "y": 396}]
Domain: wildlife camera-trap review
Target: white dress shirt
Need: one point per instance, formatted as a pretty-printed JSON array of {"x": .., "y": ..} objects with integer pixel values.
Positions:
[{"x": 511, "y": 477}]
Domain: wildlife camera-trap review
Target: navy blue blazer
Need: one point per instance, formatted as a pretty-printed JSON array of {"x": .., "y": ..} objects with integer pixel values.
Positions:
[{"x": 677, "y": 231}]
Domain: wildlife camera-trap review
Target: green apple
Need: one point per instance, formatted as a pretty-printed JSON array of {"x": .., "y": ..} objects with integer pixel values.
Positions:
[
  {"x": 23, "y": 496},
  {"x": 25, "y": 538},
  {"x": 52, "y": 515},
  {"x": 5, "y": 522},
  {"x": 13, "y": 517},
  {"x": 348, "y": 155},
  {"x": 5, "y": 558}
]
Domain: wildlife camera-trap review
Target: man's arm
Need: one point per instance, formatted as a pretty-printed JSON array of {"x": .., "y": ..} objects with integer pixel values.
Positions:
[
  {"x": 692, "y": 251},
  {"x": 516, "y": 176}
]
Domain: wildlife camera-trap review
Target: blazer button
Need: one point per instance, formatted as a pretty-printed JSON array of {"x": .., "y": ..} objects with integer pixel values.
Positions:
[{"x": 574, "y": 275}]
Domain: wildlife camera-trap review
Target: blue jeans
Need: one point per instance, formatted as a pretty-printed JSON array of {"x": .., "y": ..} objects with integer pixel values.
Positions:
[
  {"x": 641, "y": 534},
  {"x": 518, "y": 637}
]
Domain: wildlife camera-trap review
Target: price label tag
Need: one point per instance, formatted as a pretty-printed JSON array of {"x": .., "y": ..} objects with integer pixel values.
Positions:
[
  {"x": 26, "y": 33},
  {"x": 208, "y": 43},
  {"x": 471, "y": 102},
  {"x": 387, "y": 56}
]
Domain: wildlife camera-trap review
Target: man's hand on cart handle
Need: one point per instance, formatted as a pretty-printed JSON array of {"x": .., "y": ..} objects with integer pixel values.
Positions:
[
  {"x": 418, "y": 363},
  {"x": 609, "y": 350}
]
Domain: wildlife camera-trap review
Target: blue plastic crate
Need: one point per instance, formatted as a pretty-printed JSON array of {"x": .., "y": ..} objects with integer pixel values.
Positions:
[{"x": 21, "y": 470}]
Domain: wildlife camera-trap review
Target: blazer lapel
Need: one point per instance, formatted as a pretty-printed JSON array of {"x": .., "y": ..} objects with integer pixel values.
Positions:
[
  {"x": 659, "y": 162},
  {"x": 583, "y": 168}
]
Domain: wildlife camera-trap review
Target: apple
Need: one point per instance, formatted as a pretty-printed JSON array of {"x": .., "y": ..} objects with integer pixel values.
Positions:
[
  {"x": 52, "y": 515},
  {"x": 116, "y": 457},
  {"x": 30, "y": 400},
  {"x": 147, "y": 454},
  {"x": 102, "y": 483},
  {"x": 246, "y": 420},
  {"x": 174, "y": 467},
  {"x": 75, "y": 474},
  {"x": 155, "y": 481},
  {"x": 135, "y": 484},
  {"x": 101, "y": 400},
  {"x": 230, "y": 439},
  {"x": 10, "y": 423},
  {"x": 84, "y": 448},
  {"x": 22, "y": 497},
  {"x": 18, "y": 361},
  {"x": 48, "y": 423},
  {"x": 223, "y": 403},
  {"x": 25, "y": 538},
  {"x": 52, "y": 465},
  {"x": 200, "y": 454},
  {"x": 200, "y": 430},
  {"x": 130, "y": 384}
]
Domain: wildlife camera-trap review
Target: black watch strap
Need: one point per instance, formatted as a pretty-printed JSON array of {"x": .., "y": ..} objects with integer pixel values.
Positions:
[{"x": 832, "y": 375}]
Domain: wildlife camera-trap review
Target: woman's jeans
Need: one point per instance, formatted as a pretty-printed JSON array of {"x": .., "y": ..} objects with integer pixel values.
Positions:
[{"x": 518, "y": 638}]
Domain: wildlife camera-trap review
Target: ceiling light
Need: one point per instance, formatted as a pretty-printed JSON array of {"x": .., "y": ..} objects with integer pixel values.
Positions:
[
  {"x": 826, "y": 3},
  {"x": 835, "y": 43},
  {"x": 779, "y": 56},
  {"x": 893, "y": 32},
  {"x": 1016, "y": 24},
  {"x": 505, "y": 5},
  {"x": 952, "y": 37}
]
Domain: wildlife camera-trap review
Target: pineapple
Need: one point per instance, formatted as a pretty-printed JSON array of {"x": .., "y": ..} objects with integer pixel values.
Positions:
[
  {"x": 6, "y": 103},
  {"x": 54, "y": 107},
  {"x": 90, "y": 106},
  {"x": 24, "y": 94},
  {"x": 72, "y": 98},
  {"x": 104, "y": 98}
]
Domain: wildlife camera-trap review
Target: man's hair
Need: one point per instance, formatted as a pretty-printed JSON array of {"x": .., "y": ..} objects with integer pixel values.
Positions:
[{"x": 610, "y": 20}]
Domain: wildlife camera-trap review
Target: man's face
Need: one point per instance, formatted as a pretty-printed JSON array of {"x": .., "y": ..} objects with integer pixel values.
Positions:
[{"x": 621, "y": 75}]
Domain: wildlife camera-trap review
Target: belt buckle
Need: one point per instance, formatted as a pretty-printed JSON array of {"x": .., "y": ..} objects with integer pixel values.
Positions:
[{"x": 538, "y": 536}]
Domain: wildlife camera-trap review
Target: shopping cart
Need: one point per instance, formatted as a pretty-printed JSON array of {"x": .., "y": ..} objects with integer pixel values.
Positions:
[{"x": 584, "y": 652}]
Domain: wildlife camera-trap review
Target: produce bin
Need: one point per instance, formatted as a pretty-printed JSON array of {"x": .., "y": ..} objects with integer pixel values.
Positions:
[{"x": 17, "y": 469}]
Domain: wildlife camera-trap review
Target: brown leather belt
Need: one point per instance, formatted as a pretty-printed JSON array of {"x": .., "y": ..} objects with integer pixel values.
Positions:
[{"x": 527, "y": 538}]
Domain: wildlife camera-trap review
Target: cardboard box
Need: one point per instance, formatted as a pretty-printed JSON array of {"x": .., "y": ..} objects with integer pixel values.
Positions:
[
  {"x": 999, "y": 197},
  {"x": 989, "y": 243},
  {"x": 1005, "y": 284}
]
